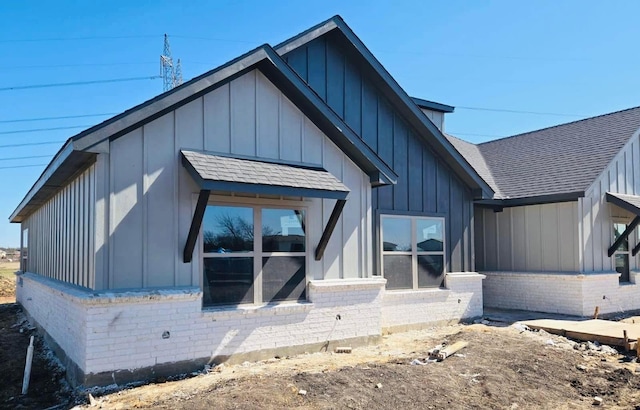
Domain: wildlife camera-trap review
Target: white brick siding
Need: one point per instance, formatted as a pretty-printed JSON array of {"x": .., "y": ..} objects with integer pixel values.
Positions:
[
  {"x": 105, "y": 332},
  {"x": 460, "y": 299},
  {"x": 568, "y": 293}
]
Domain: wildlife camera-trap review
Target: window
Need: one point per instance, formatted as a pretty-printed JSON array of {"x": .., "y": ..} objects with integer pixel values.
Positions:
[
  {"x": 412, "y": 252},
  {"x": 24, "y": 250},
  {"x": 621, "y": 254},
  {"x": 253, "y": 255}
]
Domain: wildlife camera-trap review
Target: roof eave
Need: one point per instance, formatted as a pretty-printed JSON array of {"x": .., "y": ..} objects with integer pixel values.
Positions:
[
  {"x": 531, "y": 200},
  {"x": 432, "y": 105},
  {"x": 67, "y": 163}
]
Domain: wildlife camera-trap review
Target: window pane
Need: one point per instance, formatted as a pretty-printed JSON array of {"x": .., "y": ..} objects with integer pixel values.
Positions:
[
  {"x": 622, "y": 266},
  {"x": 430, "y": 271},
  {"x": 228, "y": 281},
  {"x": 227, "y": 229},
  {"x": 618, "y": 229},
  {"x": 429, "y": 233},
  {"x": 397, "y": 271},
  {"x": 396, "y": 234},
  {"x": 283, "y": 230},
  {"x": 283, "y": 278}
]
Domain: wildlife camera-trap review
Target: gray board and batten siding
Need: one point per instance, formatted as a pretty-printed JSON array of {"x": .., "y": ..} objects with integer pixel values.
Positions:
[{"x": 426, "y": 184}]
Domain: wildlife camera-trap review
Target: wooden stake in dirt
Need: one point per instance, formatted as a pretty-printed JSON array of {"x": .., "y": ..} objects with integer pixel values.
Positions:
[
  {"x": 449, "y": 350},
  {"x": 626, "y": 340},
  {"x": 597, "y": 312},
  {"x": 27, "y": 367}
]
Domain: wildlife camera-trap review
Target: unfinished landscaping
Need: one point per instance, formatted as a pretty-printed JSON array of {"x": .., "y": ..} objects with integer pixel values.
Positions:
[{"x": 503, "y": 366}]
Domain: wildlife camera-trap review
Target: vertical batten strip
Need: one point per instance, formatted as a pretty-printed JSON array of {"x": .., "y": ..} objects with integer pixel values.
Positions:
[{"x": 91, "y": 229}]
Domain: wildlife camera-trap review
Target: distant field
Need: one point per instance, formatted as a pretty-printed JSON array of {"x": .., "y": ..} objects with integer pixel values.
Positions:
[{"x": 7, "y": 269}]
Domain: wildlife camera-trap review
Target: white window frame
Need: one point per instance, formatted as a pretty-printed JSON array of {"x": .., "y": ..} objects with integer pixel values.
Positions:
[
  {"x": 24, "y": 250},
  {"x": 258, "y": 254},
  {"x": 414, "y": 247},
  {"x": 624, "y": 222}
]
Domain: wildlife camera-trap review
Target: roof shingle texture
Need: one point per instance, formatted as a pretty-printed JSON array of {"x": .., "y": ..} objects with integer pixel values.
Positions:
[
  {"x": 561, "y": 159},
  {"x": 248, "y": 171}
]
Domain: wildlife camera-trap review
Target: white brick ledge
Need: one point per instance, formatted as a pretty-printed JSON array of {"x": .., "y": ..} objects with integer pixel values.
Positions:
[
  {"x": 461, "y": 275},
  {"x": 89, "y": 297},
  {"x": 236, "y": 312},
  {"x": 555, "y": 275},
  {"x": 419, "y": 294},
  {"x": 345, "y": 285}
]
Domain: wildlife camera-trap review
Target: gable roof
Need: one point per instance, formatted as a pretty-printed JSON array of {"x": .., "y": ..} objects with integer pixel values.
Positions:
[
  {"x": 562, "y": 160},
  {"x": 396, "y": 95},
  {"x": 80, "y": 150}
]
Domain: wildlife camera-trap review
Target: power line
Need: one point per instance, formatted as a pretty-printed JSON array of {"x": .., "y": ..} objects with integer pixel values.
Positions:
[
  {"x": 520, "y": 112},
  {"x": 57, "y": 118},
  {"x": 22, "y": 67},
  {"x": 24, "y": 166},
  {"x": 28, "y": 157},
  {"x": 36, "y": 40},
  {"x": 44, "y": 129},
  {"x": 28, "y": 144},
  {"x": 113, "y": 80},
  {"x": 228, "y": 40}
]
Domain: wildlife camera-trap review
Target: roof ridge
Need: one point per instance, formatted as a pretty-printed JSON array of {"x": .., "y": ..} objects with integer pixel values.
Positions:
[{"x": 554, "y": 126}]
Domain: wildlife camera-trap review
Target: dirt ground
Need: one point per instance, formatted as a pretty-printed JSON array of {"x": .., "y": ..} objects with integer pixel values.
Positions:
[
  {"x": 503, "y": 367},
  {"x": 47, "y": 386}
]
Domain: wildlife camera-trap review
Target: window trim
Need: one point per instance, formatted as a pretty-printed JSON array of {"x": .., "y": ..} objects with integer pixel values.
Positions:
[
  {"x": 257, "y": 205},
  {"x": 24, "y": 249},
  {"x": 415, "y": 253},
  {"x": 625, "y": 222}
]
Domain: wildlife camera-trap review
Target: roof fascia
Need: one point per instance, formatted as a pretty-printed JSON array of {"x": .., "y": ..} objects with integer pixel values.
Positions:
[
  {"x": 622, "y": 204},
  {"x": 432, "y": 105},
  {"x": 534, "y": 200},
  {"x": 398, "y": 96}
]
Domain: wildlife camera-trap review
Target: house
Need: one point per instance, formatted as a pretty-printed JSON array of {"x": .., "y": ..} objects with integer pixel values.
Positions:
[
  {"x": 560, "y": 233},
  {"x": 243, "y": 214}
]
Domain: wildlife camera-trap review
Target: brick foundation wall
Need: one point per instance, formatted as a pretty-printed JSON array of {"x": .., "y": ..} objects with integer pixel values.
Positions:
[
  {"x": 461, "y": 298},
  {"x": 118, "y": 337},
  {"x": 106, "y": 333},
  {"x": 566, "y": 293}
]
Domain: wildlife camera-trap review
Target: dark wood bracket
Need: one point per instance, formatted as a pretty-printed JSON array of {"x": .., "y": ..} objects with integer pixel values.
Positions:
[
  {"x": 196, "y": 223},
  {"x": 328, "y": 230},
  {"x": 624, "y": 236},
  {"x": 635, "y": 250}
]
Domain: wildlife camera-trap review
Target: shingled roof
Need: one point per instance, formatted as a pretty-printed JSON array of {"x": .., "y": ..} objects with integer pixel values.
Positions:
[
  {"x": 304, "y": 179},
  {"x": 563, "y": 159}
]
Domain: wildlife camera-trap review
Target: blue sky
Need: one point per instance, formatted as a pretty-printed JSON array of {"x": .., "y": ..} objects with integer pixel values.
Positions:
[{"x": 569, "y": 57}]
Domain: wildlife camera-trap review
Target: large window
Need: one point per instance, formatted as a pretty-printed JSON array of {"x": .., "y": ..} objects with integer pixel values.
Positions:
[
  {"x": 412, "y": 252},
  {"x": 621, "y": 254},
  {"x": 253, "y": 255}
]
